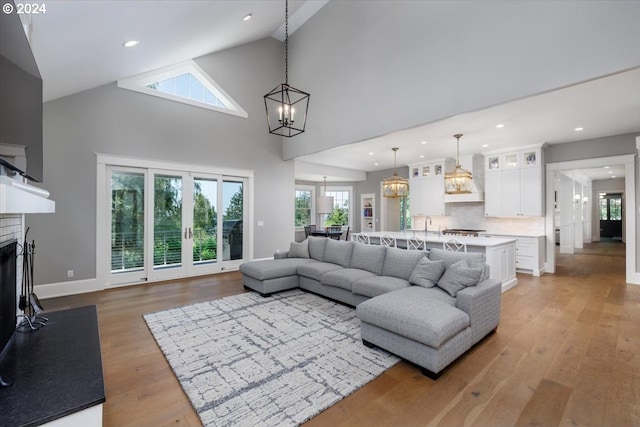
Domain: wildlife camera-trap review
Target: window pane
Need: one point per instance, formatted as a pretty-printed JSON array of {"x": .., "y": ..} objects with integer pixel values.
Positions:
[
  {"x": 127, "y": 222},
  {"x": 232, "y": 199},
  {"x": 615, "y": 209},
  {"x": 303, "y": 208},
  {"x": 205, "y": 220},
  {"x": 196, "y": 89},
  {"x": 340, "y": 215},
  {"x": 603, "y": 209},
  {"x": 167, "y": 222},
  {"x": 182, "y": 85}
]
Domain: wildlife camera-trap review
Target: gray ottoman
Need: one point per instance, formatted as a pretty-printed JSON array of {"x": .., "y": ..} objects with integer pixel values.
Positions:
[
  {"x": 269, "y": 276},
  {"x": 413, "y": 325}
]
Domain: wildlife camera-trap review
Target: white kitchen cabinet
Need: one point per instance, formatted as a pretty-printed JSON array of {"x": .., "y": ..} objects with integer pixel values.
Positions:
[
  {"x": 529, "y": 253},
  {"x": 426, "y": 188},
  {"x": 503, "y": 266},
  {"x": 493, "y": 194},
  {"x": 513, "y": 183}
]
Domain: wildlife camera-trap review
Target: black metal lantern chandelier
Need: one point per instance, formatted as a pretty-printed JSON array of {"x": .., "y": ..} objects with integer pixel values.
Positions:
[{"x": 286, "y": 106}]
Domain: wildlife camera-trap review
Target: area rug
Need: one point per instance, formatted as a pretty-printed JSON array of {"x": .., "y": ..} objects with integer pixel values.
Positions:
[{"x": 246, "y": 360}]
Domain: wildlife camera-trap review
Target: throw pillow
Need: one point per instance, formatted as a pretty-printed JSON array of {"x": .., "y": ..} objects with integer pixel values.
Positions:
[
  {"x": 458, "y": 276},
  {"x": 427, "y": 273},
  {"x": 299, "y": 250}
]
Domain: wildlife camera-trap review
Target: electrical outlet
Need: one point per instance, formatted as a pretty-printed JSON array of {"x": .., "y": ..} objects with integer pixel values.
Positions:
[{"x": 69, "y": 273}]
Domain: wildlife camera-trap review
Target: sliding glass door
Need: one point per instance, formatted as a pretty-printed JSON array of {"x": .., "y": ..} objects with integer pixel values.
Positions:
[{"x": 171, "y": 224}]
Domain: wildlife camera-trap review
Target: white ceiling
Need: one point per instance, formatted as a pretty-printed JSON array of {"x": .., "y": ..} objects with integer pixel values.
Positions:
[
  {"x": 602, "y": 107},
  {"x": 78, "y": 44}
]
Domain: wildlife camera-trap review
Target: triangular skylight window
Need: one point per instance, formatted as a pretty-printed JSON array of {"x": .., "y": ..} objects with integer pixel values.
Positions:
[{"x": 187, "y": 83}]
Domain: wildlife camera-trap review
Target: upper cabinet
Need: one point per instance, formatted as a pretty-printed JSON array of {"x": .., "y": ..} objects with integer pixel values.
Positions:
[
  {"x": 426, "y": 188},
  {"x": 513, "y": 183}
]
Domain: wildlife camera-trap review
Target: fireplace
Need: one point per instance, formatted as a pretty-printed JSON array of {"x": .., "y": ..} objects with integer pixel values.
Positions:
[{"x": 8, "y": 252}]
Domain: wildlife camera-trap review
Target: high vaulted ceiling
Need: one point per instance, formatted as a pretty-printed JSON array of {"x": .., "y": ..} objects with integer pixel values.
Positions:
[{"x": 77, "y": 44}]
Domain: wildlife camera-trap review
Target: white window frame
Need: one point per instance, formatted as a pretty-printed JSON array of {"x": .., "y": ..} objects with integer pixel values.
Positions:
[
  {"x": 312, "y": 189},
  {"x": 348, "y": 189},
  {"x": 140, "y": 82}
]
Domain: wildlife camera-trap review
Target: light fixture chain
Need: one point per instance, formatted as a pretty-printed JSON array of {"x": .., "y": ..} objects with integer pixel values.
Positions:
[{"x": 286, "y": 42}]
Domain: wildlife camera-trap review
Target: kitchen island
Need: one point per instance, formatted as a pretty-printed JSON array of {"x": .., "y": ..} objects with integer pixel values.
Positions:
[{"x": 500, "y": 251}]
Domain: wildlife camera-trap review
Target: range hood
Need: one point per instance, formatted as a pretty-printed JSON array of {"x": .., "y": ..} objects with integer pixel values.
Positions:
[
  {"x": 475, "y": 164},
  {"x": 18, "y": 197}
]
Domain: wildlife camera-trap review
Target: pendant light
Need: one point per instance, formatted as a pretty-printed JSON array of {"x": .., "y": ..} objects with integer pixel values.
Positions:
[
  {"x": 395, "y": 186},
  {"x": 286, "y": 106},
  {"x": 458, "y": 181},
  {"x": 325, "y": 203}
]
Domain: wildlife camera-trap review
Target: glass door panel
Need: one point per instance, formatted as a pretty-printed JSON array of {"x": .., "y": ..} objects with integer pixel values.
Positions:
[
  {"x": 232, "y": 226},
  {"x": 127, "y": 222},
  {"x": 205, "y": 221},
  {"x": 167, "y": 221}
]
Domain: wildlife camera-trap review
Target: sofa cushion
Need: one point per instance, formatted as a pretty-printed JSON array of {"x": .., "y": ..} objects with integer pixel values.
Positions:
[
  {"x": 400, "y": 262},
  {"x": 273, "y": 268},
  {"x": 427, "y": 273},
  {"x": 459, "y": 276},
  {"x": 338, "y": 252},
  {"x": 378, "y": 285},
  {"x": 368, "y": 257},
  {"x": 299, "y": 250},
  {"x": 413, "y": 313},
  {"x": 474, "y": 259},
  {"x": 316, "y": 247},
  {"x": 315, "y": 269},
  {"x": 344, "y": 277}
]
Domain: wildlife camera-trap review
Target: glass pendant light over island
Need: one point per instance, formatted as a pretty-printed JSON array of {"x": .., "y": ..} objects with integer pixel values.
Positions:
[
  {"x": 395, "y": 186},
  {"x": 458, "y": 181}
]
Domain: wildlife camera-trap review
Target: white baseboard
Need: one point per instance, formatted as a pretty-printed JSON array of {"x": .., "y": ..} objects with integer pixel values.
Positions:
[
  {"x": 62, "y": 289},
  {"x": 510, "y": 284}
]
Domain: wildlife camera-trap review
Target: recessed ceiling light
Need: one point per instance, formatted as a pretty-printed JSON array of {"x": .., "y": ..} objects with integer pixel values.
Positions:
[
  {"x": 130, "y": 43},
  {"x": 247, "y": 17},
  {"x": 423, "y": 142},
  {"x": 485, "y": 145},
  {"x": 578, "y": 129},
  {"x": 606, "y": 167},
  {"x": 499, "y": 125},
  {"x": 422, "y": 156},
  {"x": 610, "y": 172},
  {"x": 371, "y": 153},
  {"x": 376, "y": 164},
  {"x": 613, "y": 176}
]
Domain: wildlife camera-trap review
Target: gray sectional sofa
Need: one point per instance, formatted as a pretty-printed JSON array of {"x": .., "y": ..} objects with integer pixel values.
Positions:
[{"x": 426, "y": 307}]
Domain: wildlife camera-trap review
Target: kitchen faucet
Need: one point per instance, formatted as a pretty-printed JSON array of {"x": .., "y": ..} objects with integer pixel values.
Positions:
[{"x": 425, "y": 224}]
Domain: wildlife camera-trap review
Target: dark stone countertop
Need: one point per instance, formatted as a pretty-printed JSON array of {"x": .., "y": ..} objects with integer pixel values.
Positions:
[{"x": 56, "y": 370}]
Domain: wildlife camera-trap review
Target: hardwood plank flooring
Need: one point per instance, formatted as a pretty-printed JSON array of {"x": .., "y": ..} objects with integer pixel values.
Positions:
[{"x": 567, "y": 352}]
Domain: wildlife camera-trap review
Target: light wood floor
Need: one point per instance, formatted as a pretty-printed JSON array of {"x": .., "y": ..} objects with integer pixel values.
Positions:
[{"x": 567, "y": 352}]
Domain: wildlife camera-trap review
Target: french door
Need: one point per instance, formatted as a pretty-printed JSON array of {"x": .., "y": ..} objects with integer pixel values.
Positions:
[{"x": 166, "y": 224}]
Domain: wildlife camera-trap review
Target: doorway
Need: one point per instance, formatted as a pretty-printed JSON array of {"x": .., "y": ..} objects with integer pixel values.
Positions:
[{"x": 629, "y": 229}]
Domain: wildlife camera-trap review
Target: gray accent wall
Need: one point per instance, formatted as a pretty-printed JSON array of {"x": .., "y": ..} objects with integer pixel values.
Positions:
[
  {"x": 391, "y": 65},
  {"x": 111, "y": 120}
]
